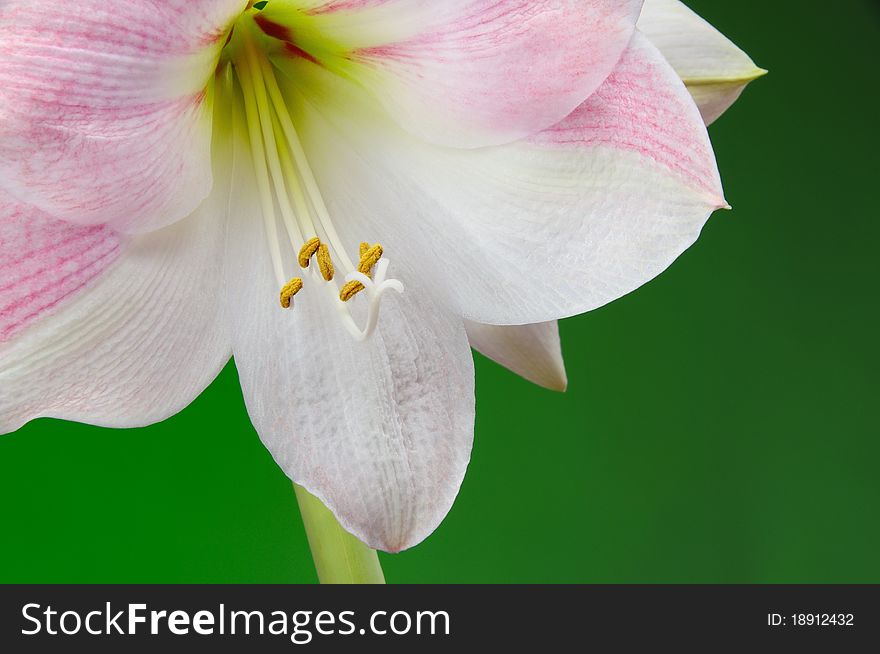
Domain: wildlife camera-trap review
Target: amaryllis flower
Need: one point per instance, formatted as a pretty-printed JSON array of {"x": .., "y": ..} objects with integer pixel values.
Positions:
[{"x": 335, "y": 192}]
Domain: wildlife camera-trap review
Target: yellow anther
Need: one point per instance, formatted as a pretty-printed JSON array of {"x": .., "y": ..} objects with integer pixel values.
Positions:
[
  {"x": 369, "y": 258},
  {"x": 290, "y": 289},
  {"x": 325, "y": 263},
  {"x": 305, "y": 254},
  {"x": 350, "y": 290}
]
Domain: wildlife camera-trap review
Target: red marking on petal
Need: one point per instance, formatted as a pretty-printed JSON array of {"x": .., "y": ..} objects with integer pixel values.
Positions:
[
  {"x": 282, "y": 33},
  {"x": 273, "y": 29},
  {"x": 296, "y": 51}
]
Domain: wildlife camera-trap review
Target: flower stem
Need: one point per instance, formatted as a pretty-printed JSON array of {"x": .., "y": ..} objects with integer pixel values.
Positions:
[{"x": 339, "y": 557}]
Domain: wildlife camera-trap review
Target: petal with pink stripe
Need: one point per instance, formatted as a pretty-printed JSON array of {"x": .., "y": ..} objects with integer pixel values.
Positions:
[
  {"x": 108, "y": 330},
  {"x": 103, "y": 113},
  {"x": 45, "y": 263},
  {"x": 712, "y": 67},
  {"x": 465, "y": 72}
]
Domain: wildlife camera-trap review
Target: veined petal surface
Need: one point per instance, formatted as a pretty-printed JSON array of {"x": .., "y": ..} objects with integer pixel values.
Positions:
[
  {"x": 45, "y": 262},
  {"x": 544, "y": 228},
  {"x": 713, "y": 68},
  {"x": 380, "y": 430},
  {"x": 465, "y": 73},
  {"x": 105, "y": 329},
  {"x": 104, "y": 116}
]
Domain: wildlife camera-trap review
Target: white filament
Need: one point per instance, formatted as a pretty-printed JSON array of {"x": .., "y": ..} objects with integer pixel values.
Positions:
[{"x": 281, "y": 165}]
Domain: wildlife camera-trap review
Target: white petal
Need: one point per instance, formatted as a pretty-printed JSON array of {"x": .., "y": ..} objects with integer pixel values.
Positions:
[
  {"x": 537, "y": 230},
  {"x": 135, "y": 344},
  {"x": 381, "y": 430},
  {"x": 713, "y": 68},
  {"x": 531, "y": 351}
]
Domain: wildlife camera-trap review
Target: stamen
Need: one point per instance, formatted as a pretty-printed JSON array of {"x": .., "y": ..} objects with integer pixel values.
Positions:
[
  {"x": 301, "y": 161},
  {"x": 325, "y": 264},
  {"x": 305, "y": 254},
  {"x": 259, "y": 160},
  {"x": 267, "y": 124},
  {"x": 290, "y": 289},
  {"x": 291, "y": 198},
  {"x": 350, "y": 290},
  {"x": 369, "y": 257},
  {"x": 314, "y": 247}
]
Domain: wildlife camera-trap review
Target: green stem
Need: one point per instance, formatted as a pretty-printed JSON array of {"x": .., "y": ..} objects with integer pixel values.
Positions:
[{"x": 339, "y": 557}]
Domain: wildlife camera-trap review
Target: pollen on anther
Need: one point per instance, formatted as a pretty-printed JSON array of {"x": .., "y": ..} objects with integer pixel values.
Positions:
[
  {"x": 290, "y": 289},
  {"x": 350, "y": 290},
  {"x": 307, "y": 250},
  {"x": 369, "y": 258},
  {"x": 325, "y": 263}
]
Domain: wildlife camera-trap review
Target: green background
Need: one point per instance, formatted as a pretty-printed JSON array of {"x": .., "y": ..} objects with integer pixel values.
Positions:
[{"x": 721, "y": 423}]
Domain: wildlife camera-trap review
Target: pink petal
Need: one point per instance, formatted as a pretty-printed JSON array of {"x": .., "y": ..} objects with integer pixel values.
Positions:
[
  {"x": 108, "y": 330},
  {"x": 474, "y": 72},
  {"x": 713, "y": 68},
  {"x": 640, "y": 110},
  {"x": 45, "y": 263},
  {"x": 102, "y": 107}
]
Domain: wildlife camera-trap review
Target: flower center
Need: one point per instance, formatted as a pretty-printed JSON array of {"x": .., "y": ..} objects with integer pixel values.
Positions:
[{"x": 290, "y": 198}]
